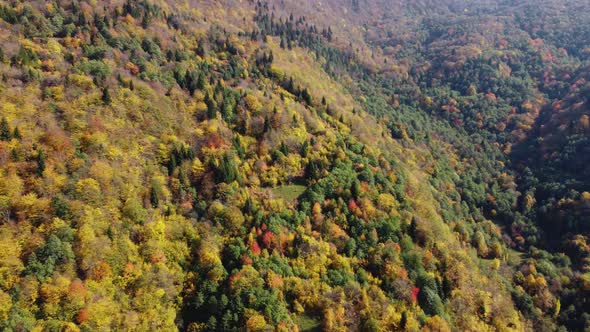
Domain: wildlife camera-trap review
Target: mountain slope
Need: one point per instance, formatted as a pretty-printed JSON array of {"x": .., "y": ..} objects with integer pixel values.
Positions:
[{"x": 221, "y": 165}]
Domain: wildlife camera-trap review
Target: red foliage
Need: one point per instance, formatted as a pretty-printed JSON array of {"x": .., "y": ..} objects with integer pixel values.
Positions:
[
  {"x": 129, "y": 268},
  {"x": 58, "y": 139},
  {"x": 186, "y": 206},
  {"x": 100, "y": 271},
  {"x": 158, "y": 257},
  {"x": 215, "y": 141},
  {"x": 490, "y": 96},
  {"x": 365, "y": 187},
  {"x": 255, "y": 248},
  {"x": 352, "y": 206},
  {"x": 233, "y": 278},
  {"x": 82, "y": 316},
  {"x": 415, "y": 292},
  {"x": 246, "y": 259},
  {"x": 268, "y": 239},
  {"x": 77, "y": 290},
  {"x": 133, "y": 68}
]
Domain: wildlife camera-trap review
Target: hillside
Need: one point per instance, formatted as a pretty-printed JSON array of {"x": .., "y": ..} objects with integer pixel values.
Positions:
[{"x": 294, "y": 166}]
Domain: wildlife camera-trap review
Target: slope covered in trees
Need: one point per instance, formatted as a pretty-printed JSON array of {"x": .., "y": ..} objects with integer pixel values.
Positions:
[{"x": 227, "y": 165}]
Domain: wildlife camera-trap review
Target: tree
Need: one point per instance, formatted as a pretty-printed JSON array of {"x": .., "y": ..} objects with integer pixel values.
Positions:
[
  {"x": 227, "y": 170},
  {"x": 41, "y": 158},
  {"x": 211, "y": 106},
  {"x": 46, "y": 259},
  {"x": 306, "y": 96},
  {"x": 480, "y": 244},
  {"x": 267, "y": 126},
  {"x": 212, "y": 324},
  {"x": 154, "y": 198},
  {"x": 256, "y": 323},
  {"x": 428, "y": 297},
  {"x": 106, "y": 96},
  {"x": 200, "y": 49},
  {"x": 16, "y": 133},
  {"x": 4, "y": 130}
]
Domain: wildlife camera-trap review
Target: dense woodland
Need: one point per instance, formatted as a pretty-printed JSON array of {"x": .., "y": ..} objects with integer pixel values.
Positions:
[{"x": 239, "y": 165}]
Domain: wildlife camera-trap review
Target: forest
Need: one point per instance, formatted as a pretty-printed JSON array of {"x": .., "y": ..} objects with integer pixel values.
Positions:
[{"x": 335, "y": 165}]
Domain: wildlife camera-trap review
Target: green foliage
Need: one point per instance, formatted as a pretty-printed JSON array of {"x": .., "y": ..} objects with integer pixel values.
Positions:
[
  {"x": 226, "y": 169},
  {"x": 4, "y": 130},
  {"x": 53, "y": 254},
  {"x": 41, "y": 159},
  {"x": 106, "y": 96}
]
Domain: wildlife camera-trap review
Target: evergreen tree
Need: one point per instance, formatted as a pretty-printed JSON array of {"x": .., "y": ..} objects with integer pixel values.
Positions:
[
  {"x": 227, "y": 170},
  {"x": 106, "y": 96},
  {"x": 267, "y": 125},
  {"x": 4, "y": 130},
  {"x": 41, "y": 158},
  {"x": 154, "y": 198},
  {"x": 200, "y": 50},
  {"x": 211, "y": 106},
  {"x": 16, "y": 133},
  {"x": 282, "y": 42}
]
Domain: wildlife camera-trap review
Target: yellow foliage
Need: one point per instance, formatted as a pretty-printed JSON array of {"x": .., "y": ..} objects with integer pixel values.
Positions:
[
  {"x": 101, "y": 314},
  {"x": 436, "y": 324},
  {"x": 10, "y": 264},
  {"x": 103, "y": 172},
  {"x": 57, "y": 92},
  {"x": 5, "y": 305},
  {"x": 53, "y": 46},
  {"x": 30, "y": 206},
  {"x": 387, "y": 202},
  {"x": 82, "y": 81},
  {"x": 70, "y": 327},
  {"x": 129, "y": 19},
  {"x": 209, "y": 253},
  {"x": 252, "y": 103},
  {"x": 9, "y": 110},
  {"x": 197, "y": 167},
  {"x": 89, "y": 190},
  {"x": 256, "y": 322},
  {"x": 11, "y": 185},
  {"x": 200, "y": 107}
]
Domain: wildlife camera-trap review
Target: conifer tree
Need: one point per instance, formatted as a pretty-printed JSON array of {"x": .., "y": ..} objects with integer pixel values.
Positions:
[
  {"x": 41, "y": 159},
  {"x": 4, "y": 130},
  {"x": 16, "y": 133},
  {"x": 106, "y": 96}
]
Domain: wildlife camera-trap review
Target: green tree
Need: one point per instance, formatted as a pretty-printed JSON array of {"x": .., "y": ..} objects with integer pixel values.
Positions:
[
  {"x": 41, "y": 159},
  {"x": 227, "y": 170},
  {"x": 47, "y": 258},
  {"x": 16, "y": 133},
  {"x": 106, "y": 96},
  {"x": 4, "y": 130}
]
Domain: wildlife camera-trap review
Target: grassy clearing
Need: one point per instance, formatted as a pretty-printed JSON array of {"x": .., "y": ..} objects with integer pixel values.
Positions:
[
  {"x": 308, "y": 324},
  {"x": 289, "y": 192}
]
